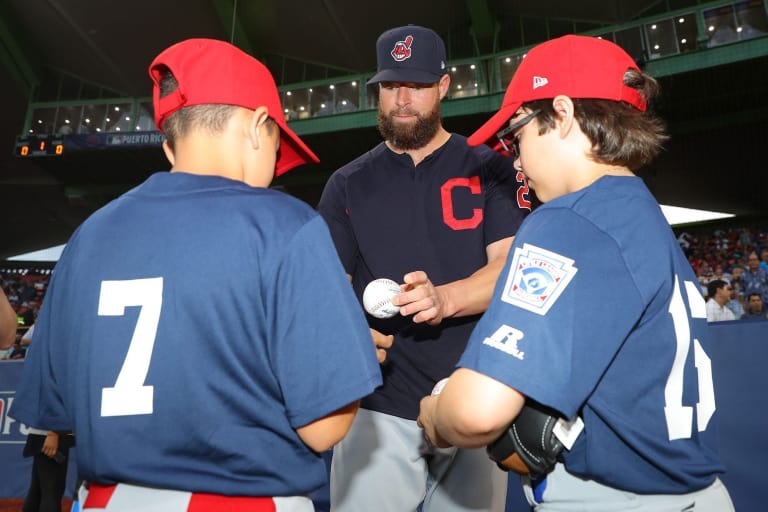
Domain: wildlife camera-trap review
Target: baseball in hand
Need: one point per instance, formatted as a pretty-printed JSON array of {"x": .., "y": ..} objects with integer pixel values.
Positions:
[{"x": 377, "y": 298}]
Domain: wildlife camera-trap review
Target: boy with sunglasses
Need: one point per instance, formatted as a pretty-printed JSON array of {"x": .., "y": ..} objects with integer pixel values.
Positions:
[{"x": 598, "y": 318}]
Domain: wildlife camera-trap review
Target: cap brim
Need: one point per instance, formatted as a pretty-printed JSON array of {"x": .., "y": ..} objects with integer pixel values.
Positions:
[
  {"x": 413, "y": 76},
  {"x": 486, "y": 133},
  {"x": 293, "y": 152}
]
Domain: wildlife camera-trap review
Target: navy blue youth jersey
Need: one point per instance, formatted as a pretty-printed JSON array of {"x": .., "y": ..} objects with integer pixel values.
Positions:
[
  {"x": 388, "y": 217},
  {"x": 599, "y": 314},
  {"x": 189, "y": 328}
]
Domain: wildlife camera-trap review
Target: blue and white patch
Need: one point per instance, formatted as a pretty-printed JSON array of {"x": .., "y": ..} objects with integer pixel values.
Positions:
[{"x": 536, "y": 278}]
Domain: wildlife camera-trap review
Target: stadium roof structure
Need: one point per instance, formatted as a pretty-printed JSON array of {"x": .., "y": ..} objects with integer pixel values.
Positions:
[{"x": 715, "y": 99}]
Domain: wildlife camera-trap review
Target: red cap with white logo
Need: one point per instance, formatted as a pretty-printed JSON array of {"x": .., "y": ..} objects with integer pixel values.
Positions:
[{"x": 577, "y": 66}]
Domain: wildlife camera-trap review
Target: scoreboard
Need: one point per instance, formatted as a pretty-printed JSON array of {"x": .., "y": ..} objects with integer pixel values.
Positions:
[{"x": 39, "y": 145}]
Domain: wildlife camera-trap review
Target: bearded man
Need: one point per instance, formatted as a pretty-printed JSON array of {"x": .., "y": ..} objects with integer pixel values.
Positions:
[{"x": 425, "y": 209}]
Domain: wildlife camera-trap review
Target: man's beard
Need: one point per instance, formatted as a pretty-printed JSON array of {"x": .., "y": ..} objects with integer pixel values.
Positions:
[{"x": 409, "y": 136}]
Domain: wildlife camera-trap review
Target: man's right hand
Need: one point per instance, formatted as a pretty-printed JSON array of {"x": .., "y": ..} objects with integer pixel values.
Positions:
[
  {"x": 382, "y": 342},
  {"x": 51, "y": 444}
]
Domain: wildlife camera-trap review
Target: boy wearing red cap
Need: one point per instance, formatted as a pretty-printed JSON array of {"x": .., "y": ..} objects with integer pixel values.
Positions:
[
  {"x": 596, "y": 338},
  {"x": 199, "y": 335}
]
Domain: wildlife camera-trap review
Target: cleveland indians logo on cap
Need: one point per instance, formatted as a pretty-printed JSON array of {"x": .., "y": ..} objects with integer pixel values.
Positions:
[{"x": 402, "y": 49}]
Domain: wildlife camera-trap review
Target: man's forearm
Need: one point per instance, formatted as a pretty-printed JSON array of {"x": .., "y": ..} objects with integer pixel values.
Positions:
[{"x": 471, "y": 296}]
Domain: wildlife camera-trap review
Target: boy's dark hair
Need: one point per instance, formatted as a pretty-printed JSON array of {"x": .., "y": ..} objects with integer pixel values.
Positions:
[
  {"x": 209, "y": 117},
  {"x": 620, "y": 134}
]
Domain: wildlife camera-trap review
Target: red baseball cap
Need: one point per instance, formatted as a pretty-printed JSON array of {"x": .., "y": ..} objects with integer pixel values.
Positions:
[
  {"x": 576, "y": 66},
  {"x": 215, "y": 72}
]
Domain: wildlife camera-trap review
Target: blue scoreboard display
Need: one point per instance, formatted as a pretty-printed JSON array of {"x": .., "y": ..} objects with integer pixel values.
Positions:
[{"x": 39, "y": 145}]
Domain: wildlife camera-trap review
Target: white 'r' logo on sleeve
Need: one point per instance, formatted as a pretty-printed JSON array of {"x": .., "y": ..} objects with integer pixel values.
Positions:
[{"x": 506, "y": 339}]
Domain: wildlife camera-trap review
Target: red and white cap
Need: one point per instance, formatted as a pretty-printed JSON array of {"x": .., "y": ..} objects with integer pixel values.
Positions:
[
  {"x": 210, "y": 71},
  {"x": 577, "y": 66}
]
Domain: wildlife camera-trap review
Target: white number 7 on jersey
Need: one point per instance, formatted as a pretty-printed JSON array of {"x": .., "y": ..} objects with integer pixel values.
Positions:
[{"x": 130, "y": 396}]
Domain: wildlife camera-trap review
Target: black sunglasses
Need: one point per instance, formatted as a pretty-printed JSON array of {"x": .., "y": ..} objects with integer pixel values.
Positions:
[{"x": 511, "y": 142}]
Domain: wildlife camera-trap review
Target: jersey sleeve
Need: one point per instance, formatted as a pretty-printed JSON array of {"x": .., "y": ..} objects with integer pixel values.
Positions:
[
  {"x": 333, "y": 208},
  {"x": 562, "y": 308},
  {"x": 322, "y": 350},
  {"x": 39, "y": 399},
  {"x": 507, "y": 196}
]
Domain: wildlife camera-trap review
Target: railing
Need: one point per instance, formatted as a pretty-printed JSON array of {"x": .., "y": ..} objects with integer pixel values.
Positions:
[{"x": 675, "y": 33}]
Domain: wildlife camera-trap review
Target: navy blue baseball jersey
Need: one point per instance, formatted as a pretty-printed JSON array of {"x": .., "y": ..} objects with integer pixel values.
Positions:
[
  {"x": 388, "y": 217},
  {"x": 189, "y": 328},
  {"x": 599, "y": 314}
]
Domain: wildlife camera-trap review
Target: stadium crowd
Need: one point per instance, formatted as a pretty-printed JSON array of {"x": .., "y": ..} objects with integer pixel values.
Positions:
[
  {"x": 735, "y": 255},
  {"x": 25, "y": 289},
  {"x": 735, "y": 259}
]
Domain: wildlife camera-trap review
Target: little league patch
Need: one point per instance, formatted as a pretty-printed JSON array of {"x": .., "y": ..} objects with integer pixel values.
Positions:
[{"x": 536, "y": 278}]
